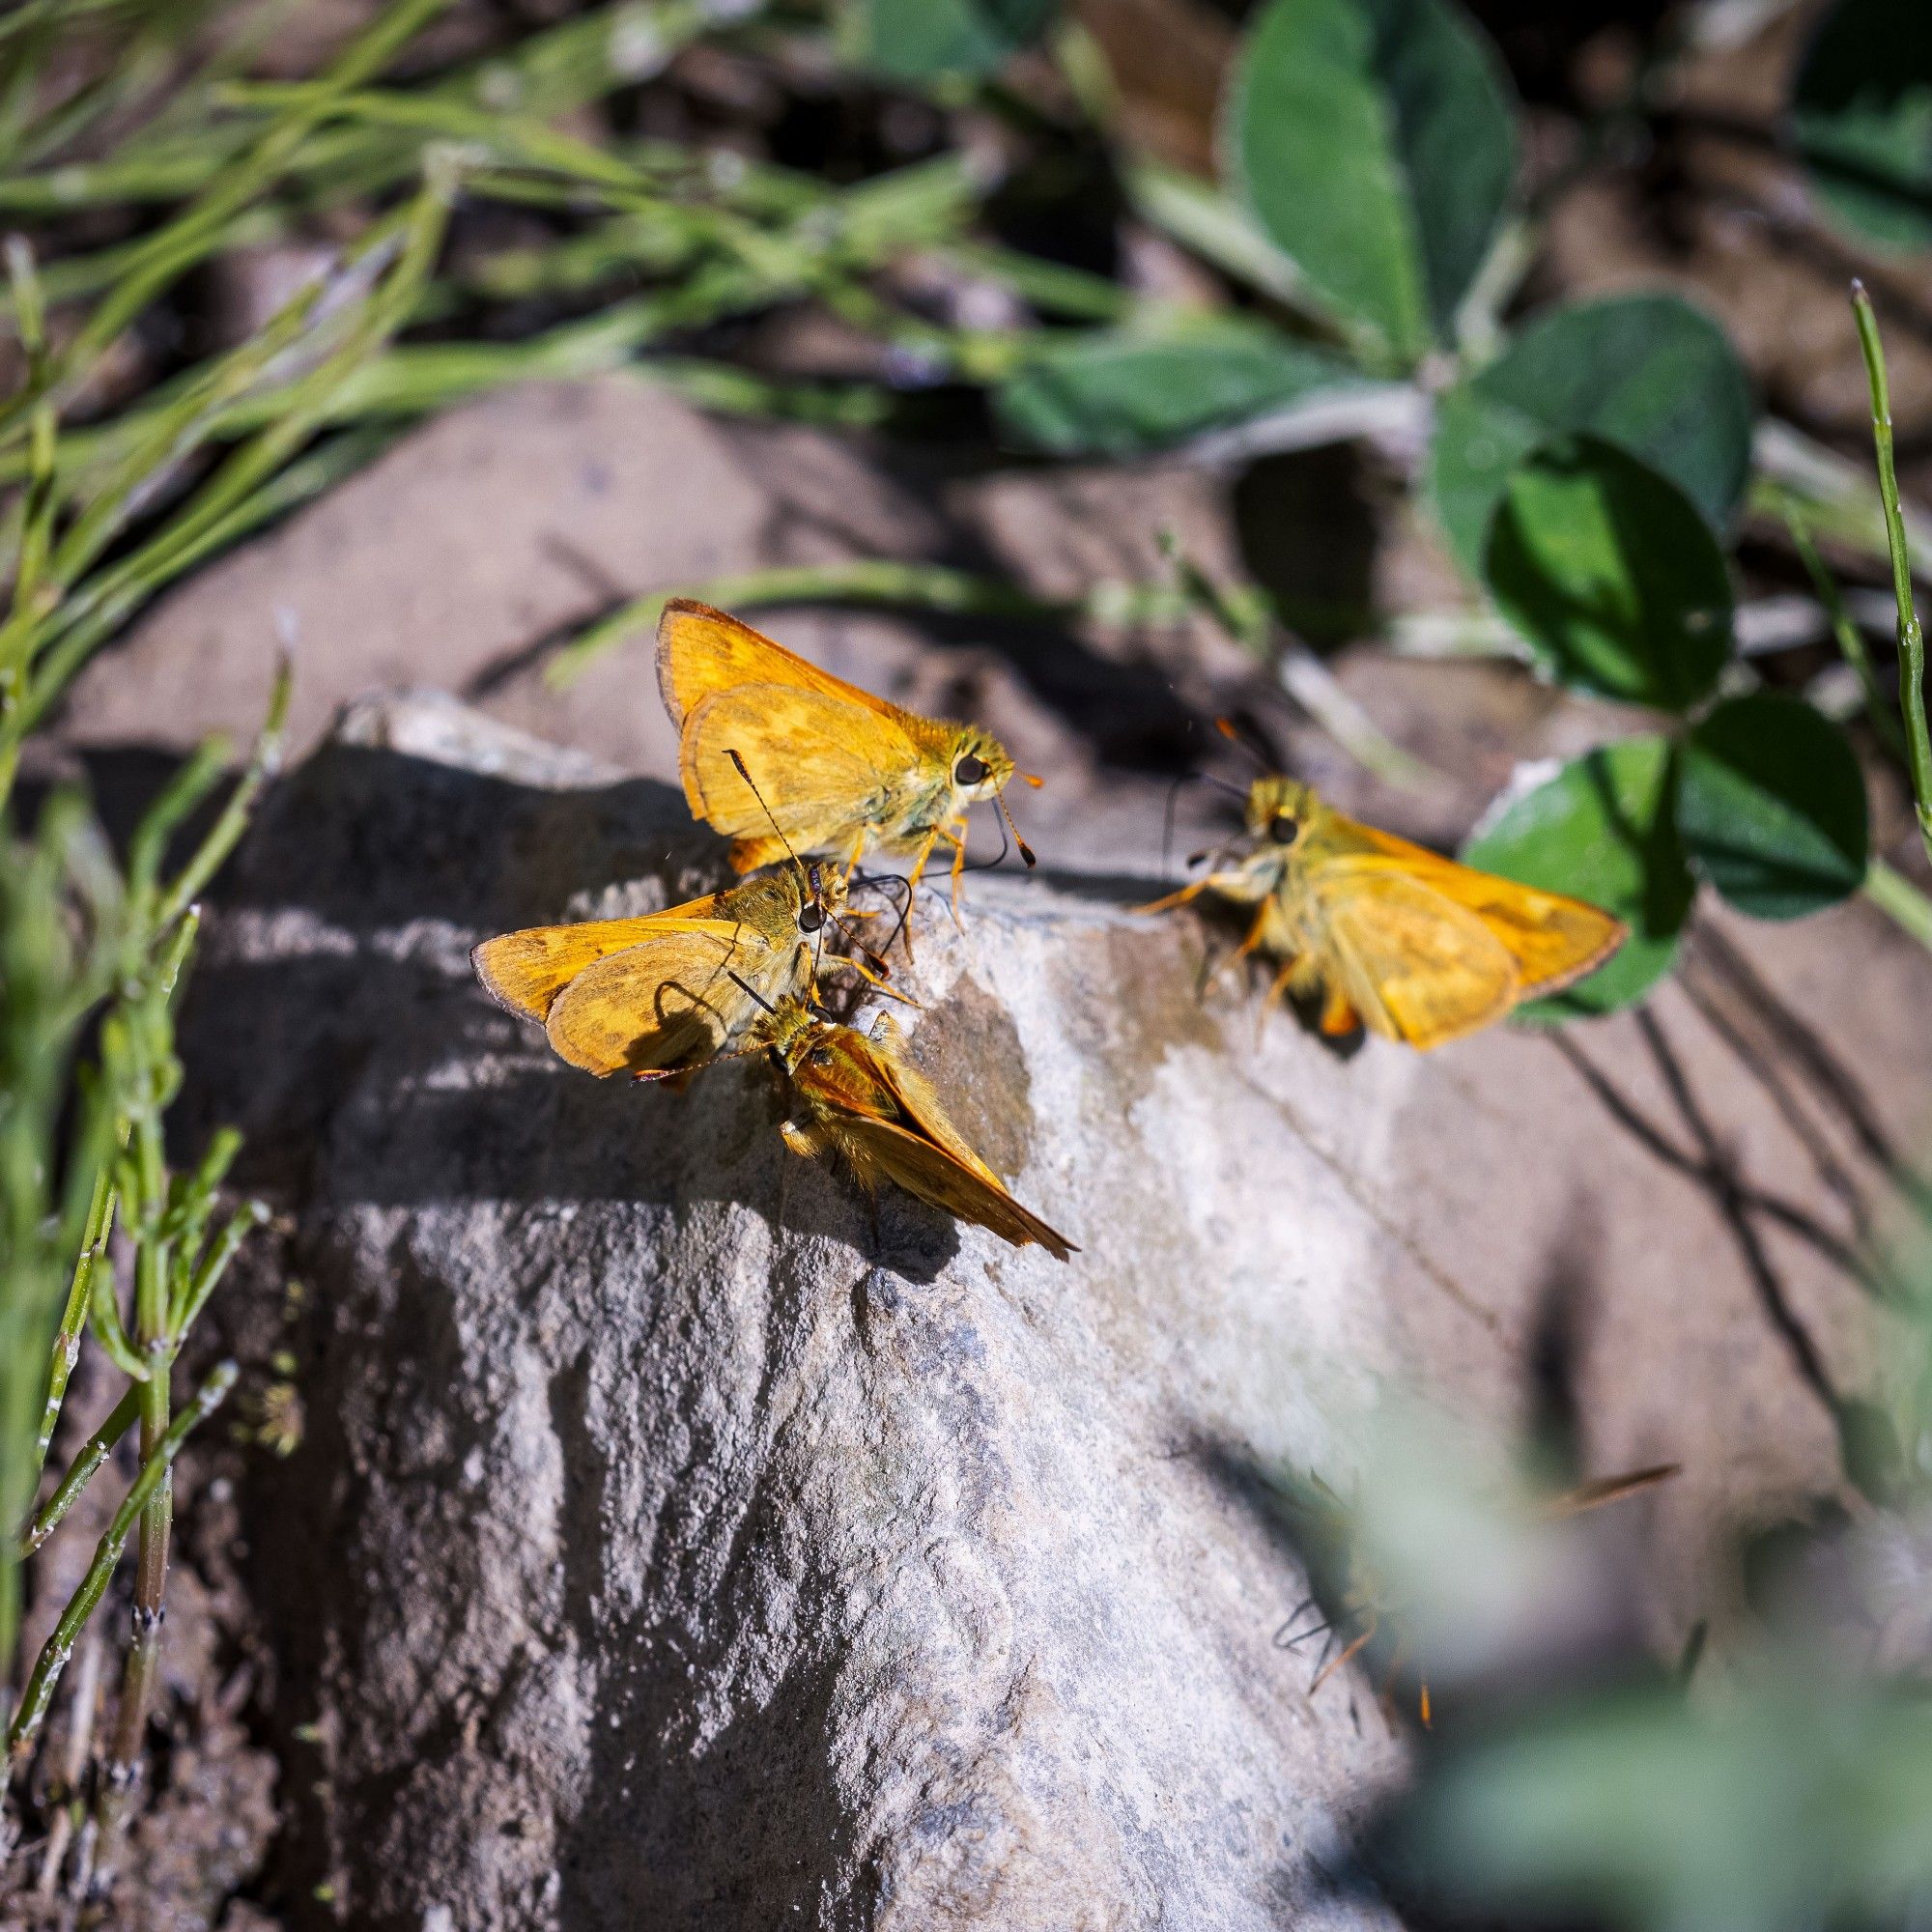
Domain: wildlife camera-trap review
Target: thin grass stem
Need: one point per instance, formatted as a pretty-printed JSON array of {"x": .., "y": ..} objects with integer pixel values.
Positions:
[
  {"x": 38, "y": 1694},
  {"x": 1910, "y": 632}
]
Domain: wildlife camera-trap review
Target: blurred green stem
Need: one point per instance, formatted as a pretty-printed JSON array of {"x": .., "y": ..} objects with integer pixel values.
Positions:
[
  {"x": 1910, "y": 632},
  {"x": 1851, "y": 640},
  {"x": 923, "y": 587},
  {"x": 1899, "y": 899},
  {"x": 172, "y": 251},
  {"x": 1250, "y": 618}
]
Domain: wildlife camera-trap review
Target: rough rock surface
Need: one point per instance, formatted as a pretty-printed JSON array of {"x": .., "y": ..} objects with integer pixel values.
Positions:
[{"x": 696, "y": 1554}]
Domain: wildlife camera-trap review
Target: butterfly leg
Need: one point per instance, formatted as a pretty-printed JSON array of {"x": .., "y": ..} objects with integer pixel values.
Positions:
[
  {"x": 856, "y": 853},
  {"x": 1179, "y": 898},
  {"x": 919, "y": 864},
  {"x": 1339, "y": 1018},
  {"x": 1256, "y": 935},
  {"x": 958, "y": 865},
  {"x": 1277, "y": 991},
  {"x": 1396, "y": 1659},
  {"x": 1354, "y": 1648},
  {"x": 877, "y": 982}
]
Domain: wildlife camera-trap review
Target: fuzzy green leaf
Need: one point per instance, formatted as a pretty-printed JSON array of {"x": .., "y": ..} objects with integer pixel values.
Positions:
[
  {"x": 920, "y": 39},
  {"x": 1772, "y": 807},
  {"x": 1650, "y": 374},
  {"x": 1117, "y": 392},
  {"x": 1601, "y": 829},
  {"x": 1612, "y": 576},
  {"x": 1862, "y": 112},
  {"x": 1375, "y": 143}
]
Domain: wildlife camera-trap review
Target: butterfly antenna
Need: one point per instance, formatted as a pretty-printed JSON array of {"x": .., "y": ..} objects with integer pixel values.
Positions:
[
  {"x": 746, "y": 987},
  {"x": 878, "y": 964},
  {"x": 811, "y": 877},
  {"x": 992, "y": 863},
  {"x": 883, "y": 880},
  {"x": 1026, "y": 850},
  {"x": 1264, "y": 758},
  {"x": 805, "y": 878}
]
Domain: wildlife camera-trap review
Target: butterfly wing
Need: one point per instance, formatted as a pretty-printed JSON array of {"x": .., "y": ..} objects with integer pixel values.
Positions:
[
  {"x": 966, "y": 1191},
  {"x": 925, "y": 1153},
  {"x": 652, "y": 992},
  {"x": 525, "y": 971},
  {"x": 1427, "y": 950},
  {"x": 1552, "y": 938},
  {"x": 671, "y": 1000},
  {"x": 1415, "y": 966},
  {"x": 823, "y": 770},
  {"x": 701, "y": 650}
]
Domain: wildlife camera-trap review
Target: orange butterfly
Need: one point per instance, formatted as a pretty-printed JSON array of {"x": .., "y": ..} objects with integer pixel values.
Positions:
[
  {"x": 859, "y": 1097},
  {"x": 1387, "y": 935},
  {"x": 664, "y": 993},
  {"x": 836, "y": 768}
]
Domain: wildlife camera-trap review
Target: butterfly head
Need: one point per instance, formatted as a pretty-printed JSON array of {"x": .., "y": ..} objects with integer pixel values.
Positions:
[
  {"x": 821, "y": 898},
  {"x": 1279, "y": 812},
  {"x": 786, "y": 1029},
  {"x": 978, "y": 766}
]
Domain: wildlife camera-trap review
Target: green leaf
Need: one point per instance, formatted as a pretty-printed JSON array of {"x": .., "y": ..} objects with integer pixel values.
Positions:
[
  {"x": 1797, "y": 1800},
  {"x": 920, "y": 39},
  {"x": 1650, "y": 374},
  {"x": 1376, "y": 142},
  {"x": 1117, "y": 392},
  {"x": 1602, "y": 830},
  {"x": 1862, "y": 112},
  {"x": 1612, "y": 574},
  {"x": 1772, "y": 807}
]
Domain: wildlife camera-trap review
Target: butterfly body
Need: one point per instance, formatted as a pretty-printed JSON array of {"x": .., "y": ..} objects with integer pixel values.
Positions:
[
  {"x": 662, "y": 993},
  {"x": 774, "y": 752},
  {"x": 1387, "y": 935},
  {"x": 858, "y": 1097}
]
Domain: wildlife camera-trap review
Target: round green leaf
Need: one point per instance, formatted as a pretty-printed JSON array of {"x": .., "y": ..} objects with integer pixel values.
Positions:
[
  {"x": 1612, "y": 576},
  {"x": 1648, "y": 373},
  {"x": 1772, "y": 807},
  {"x": 920, "y": 39},
  {"x": 1375, "y": 143},
  {"x": 1861, "y": 113},
  {"x": 1601, "y": 829},
  {"x": 1118, "y": 393}
]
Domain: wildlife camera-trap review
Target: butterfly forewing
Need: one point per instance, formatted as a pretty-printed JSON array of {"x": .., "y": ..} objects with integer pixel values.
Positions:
[
  {"x": 672, "y": 1001},
  {"x": 887, "y": 1119},
  {"x": 702, "y": 650},
  {"x": 525, "y": 971},
  {"x": 657, "y": 992},
  {"x": 822, "y": 768},
  {"x": 1415, "y": 966}
]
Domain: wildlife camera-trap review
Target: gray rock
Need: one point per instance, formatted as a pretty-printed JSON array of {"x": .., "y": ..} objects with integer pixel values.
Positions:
[{"x": 696, "y": 1554}]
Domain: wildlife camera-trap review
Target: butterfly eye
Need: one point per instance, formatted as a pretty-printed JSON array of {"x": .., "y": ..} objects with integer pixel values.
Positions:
[
  {"x": 820, "y": 1056},
  {"x": 811, "y": 919},
  {"x": 1283, "y": 829},
  {"x": 970, "y": 770}
]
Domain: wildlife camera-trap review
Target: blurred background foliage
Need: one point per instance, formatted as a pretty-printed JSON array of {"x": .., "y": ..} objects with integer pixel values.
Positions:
[{"x": 255, "y": 243}]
